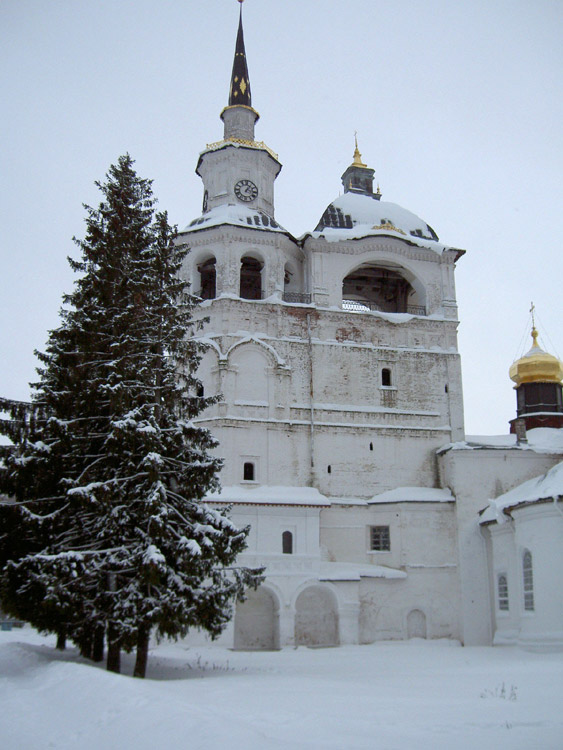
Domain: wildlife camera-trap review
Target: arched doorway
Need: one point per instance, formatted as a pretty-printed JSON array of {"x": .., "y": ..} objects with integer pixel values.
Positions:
[
  {"x": 256, "y": 622},
  {"x": 316, "y": 618},
  {"x": 416, "y": 624}
]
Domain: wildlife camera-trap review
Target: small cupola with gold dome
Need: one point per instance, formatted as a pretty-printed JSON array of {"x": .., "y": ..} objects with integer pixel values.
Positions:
[
  {"x": 538, "y": 376},
  {"x": 358, "y": 177}
]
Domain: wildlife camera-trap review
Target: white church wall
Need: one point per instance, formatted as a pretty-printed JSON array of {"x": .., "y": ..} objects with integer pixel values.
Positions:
[
  {"x": 504, "y": 563},
  {"x": 333, "y": 261},
  {"x": 475, "y": 476},
  {"x": 269, "y": 523},
  {"x": 534, "y": 623},
  {"x": 539, "y": 529},
  {"x": 385, "y": 605},
  {"x": 346, "y": 466},
  {"x": 220, "y": 172},
  {"x": 422, "y": 535}
]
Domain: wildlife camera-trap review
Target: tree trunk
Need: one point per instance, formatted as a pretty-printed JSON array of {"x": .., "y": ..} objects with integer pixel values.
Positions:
[
  {"x": 86, "y": 647},
  {"x": 113, "y": 663},
  {"x": 143, "y": 639},
  {"x": 61, "y": 641},
  {"x": 98, "y": 645}
]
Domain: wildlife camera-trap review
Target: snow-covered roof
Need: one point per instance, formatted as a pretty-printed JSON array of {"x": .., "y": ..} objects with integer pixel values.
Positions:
[
  {"x": 540, "y": 440},
  {"x": 353, "y": 216},
  {"x": 236, "y": 216},
  {"x": 341, "y": 571},
  {"x": 265, "y": 495},
  {"x": 548, "y": 486},
  {"x": 414, "y": 495}
]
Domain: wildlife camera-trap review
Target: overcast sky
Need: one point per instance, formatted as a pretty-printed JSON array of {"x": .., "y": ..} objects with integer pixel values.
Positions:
[{"x": 458, "y": 108}]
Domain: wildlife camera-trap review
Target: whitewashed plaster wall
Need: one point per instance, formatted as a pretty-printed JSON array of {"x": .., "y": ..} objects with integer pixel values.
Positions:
[
  {"x": 539, "y": 529},
  {"x": 220, "y": 171},
  {"x": 268, "y": 524},
  {"x": 422, "y": 534},
  {"x": 424, "y": 268},
  {"x": 229, "y": 244},
  {"x": 385, "y": 605},
  {"x": 423, "y": 544},
  {"x": 474, "y": 477},
  {"x": 503, "y": 561},
  {"x": 276, "y": 381}
]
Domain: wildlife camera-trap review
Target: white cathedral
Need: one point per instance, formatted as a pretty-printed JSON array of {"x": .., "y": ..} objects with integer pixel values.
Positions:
[{"x": 341, "y": 421}]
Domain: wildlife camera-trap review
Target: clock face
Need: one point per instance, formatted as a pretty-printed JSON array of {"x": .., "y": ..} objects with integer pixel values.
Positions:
[{"x": 246, "y": 191}]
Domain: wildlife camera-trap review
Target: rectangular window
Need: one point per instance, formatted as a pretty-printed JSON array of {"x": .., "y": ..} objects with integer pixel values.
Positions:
[
  {"x": 380, "y": 540},
  {"x": 248, "y": 471},
  {"x": 502, "y": 588}
]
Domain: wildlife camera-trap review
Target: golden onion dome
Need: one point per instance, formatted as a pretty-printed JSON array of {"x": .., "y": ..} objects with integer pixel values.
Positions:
[{"x": 536, "y": 366}]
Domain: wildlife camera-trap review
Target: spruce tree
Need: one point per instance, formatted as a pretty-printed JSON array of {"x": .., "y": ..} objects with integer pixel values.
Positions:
[{"x": 109, "y": 470}]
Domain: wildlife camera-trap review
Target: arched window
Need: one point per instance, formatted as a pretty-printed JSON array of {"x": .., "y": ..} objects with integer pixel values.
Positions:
[
  {"x": 287, "y": 543},
  {"x": 386, "y": 377},
  {"x": 248, "y": 471},
  {"x": 502, "y": 587},
  {"x": 200, "y": 390},
  {"x": 528, "y": 580},
  {"x": 208, "y": 277},
  {"x": 250, "y": 278}
]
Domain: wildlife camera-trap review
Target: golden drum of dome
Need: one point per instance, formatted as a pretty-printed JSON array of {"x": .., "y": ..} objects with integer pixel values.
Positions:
[{"x": 536, "y": 366}]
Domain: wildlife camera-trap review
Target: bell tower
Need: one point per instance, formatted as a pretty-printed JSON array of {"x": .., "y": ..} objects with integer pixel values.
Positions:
[{"x": 239, "y": 171}]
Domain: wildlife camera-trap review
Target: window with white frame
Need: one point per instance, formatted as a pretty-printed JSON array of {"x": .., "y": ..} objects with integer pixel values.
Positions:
[
  {"x": 502, "y": 592},
  {"x": 528, "y": 581},
  {"x": 379, "y": 539}
]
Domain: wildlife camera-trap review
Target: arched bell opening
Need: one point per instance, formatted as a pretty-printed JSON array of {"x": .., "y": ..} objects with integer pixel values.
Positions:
[
  {"x": 208, "y": 279},
  {"x": 251, "y": 278},
  {"x": 384, "y": 288}
]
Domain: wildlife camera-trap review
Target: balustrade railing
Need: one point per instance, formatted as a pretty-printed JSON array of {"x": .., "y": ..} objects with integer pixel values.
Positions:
[
  {"x": 297, "y": 298},
  {"x": 365, "y": 305}
]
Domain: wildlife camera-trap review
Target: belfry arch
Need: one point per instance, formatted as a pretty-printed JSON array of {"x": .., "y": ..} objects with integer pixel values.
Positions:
[
  {"x": 251, "y": 277},
  {"x": 384, "y": 287},
  {"x": 207, "y": 272}
]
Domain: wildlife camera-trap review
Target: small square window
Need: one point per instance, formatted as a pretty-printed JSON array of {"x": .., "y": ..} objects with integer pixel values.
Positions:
[{"x": 380, "y": 540}]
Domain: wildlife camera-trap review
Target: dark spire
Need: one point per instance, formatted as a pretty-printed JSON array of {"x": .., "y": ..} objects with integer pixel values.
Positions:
[{"x": 240, "y": 83}]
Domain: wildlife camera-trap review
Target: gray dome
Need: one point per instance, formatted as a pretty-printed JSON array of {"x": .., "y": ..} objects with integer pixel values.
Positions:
[{"x": 353, "y": 215}]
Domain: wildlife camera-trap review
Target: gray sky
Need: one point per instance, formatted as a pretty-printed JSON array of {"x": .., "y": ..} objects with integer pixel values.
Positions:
[{"x": 458, "y": 108}]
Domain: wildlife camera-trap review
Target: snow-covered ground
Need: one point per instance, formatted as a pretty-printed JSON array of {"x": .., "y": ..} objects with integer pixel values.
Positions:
[{"x": 387, "y": 696}]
